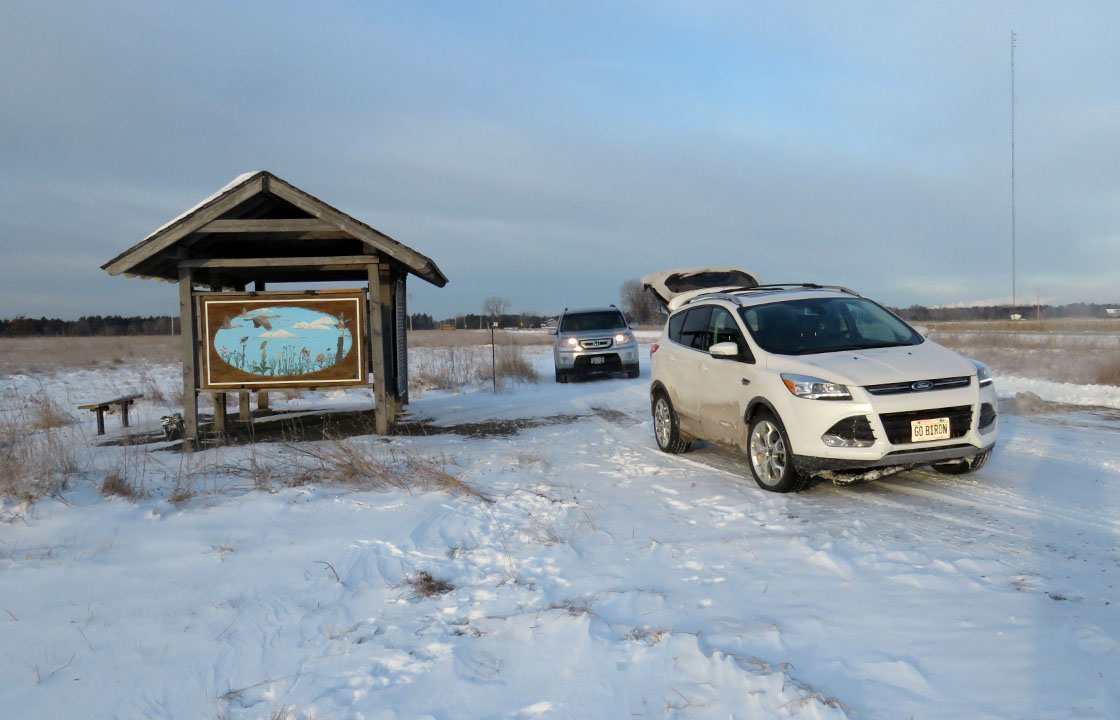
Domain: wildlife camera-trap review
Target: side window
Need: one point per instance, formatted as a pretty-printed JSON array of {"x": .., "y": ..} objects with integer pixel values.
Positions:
[
  {"x": 694, "y": 332},
  {"x": 722, "y": 328},
  {"x": 675, "y": 323}
]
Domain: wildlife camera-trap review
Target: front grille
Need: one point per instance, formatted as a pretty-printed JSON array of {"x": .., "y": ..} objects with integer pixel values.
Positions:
[
  {"x": 897, "y": 424},
  {"x": 593, "y": 344},
  {"x": 856, "y": 427},
  {"x": 987, "y": 415},
  {"x": 908, "y": 387},
  {"x": 611, "y": 363}
]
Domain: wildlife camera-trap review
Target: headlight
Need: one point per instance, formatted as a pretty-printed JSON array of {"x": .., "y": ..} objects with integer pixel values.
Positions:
[
  {"x": 572, "y": 341},
  {"x": 623, "y": 338},
  {"x": 812, "y": 388},
  {"x": 983, "y": 373}
]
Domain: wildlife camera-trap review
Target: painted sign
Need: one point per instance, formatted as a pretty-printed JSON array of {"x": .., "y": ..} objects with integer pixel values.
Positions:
[{"x": 283, "y": 339}]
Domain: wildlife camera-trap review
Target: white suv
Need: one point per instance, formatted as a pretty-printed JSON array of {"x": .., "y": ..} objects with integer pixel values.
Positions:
[{"x": 810, "y": 380}]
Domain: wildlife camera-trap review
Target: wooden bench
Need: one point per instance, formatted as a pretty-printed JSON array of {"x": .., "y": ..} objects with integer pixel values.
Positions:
[{"x": 100, "y": 407}]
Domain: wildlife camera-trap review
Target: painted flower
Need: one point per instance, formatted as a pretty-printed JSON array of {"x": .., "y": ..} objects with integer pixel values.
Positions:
[{"x": 320, "y": 358}]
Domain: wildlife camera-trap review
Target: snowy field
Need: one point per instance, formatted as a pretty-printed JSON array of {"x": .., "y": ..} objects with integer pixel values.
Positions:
[{"x": 587, "y": 576}]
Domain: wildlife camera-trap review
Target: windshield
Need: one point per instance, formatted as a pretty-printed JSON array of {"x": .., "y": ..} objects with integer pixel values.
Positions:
[
  {"x": 603, "y": 320},
  {"x": 820, "y": 325}
]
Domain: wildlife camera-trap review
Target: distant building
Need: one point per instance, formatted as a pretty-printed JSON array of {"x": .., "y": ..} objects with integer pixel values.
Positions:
[
  {"x": 1016, "y": 316},
  {"x": 1113, "y": 312}
]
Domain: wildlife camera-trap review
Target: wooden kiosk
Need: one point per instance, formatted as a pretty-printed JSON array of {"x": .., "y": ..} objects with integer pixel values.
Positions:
[{"x": 263, "y": 231}]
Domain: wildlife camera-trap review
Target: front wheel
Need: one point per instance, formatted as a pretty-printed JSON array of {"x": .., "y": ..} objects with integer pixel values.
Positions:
[
  {"x": 967, "y": 465},
  {"x": 770, "y": 456},
  {"x": 666, "y": 426}
]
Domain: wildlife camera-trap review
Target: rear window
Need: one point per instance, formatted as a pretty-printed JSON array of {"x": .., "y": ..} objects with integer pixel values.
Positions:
[{"x": 600, "y": 320}]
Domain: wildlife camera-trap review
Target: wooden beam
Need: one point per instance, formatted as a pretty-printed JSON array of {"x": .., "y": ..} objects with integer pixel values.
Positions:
[
  {"x": 220, "y": 413},
  {"x": 278, "y": 262},
  {"x": 297, "y": 225},
  {"x": 377, "y": 353},
  {"x": 189, "y": 349}
]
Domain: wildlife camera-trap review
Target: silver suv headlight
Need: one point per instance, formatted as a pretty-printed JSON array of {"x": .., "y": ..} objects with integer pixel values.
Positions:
[
  {"x": 622, "y": 338},
  {"x": 983, "y": 373},
  {"x": 811, "y": 388}
]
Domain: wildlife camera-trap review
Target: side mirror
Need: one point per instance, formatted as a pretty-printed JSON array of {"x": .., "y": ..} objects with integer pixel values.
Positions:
[
  {"x": 922, "y": 330},
  {"x": 633, "y": 326},
  {"x": 724, "y": 350},
  {"x": 552, "y": 331}
]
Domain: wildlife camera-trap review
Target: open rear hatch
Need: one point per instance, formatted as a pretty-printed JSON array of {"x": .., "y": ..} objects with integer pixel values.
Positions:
[{"x": 674, "y": 287}]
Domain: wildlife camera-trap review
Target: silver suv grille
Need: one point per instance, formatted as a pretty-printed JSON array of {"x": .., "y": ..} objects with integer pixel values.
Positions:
[{"x": 593, "y": 344}]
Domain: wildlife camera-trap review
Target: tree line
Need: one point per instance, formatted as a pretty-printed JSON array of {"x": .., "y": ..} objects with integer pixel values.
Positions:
[
  {"x": 638, "y": 305},
  {"x": 90, "y": 325}
]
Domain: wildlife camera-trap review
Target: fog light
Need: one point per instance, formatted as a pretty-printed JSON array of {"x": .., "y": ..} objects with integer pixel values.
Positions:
[{"x": 843, "y": 442}]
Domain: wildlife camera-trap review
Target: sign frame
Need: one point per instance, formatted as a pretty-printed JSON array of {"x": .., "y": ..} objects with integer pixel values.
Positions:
[{"x": 260, "y": 310}]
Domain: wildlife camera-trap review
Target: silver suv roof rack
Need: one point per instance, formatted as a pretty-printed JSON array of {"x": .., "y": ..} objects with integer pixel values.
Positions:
[{"x": 732, "y": 294}]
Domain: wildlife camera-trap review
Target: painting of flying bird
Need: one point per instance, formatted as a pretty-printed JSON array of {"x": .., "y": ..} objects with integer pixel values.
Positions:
[{"x": 260, "y": 321}]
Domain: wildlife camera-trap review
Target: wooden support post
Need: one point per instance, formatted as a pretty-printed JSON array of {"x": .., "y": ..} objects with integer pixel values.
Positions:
[
  {"x": 262, "y": 400},
  {"x": 377, "y": 352},
  {"x": 243, "y": 413},
  {"x": 100, "y": 421},
  {"x": 220, "y": 413},
  {"x": 189, "y": 350},
  {"x": 124, "y": 413}
]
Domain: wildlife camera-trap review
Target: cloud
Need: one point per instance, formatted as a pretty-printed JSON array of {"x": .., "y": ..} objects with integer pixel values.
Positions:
[
  {"x": 277, "y": 334},
  {"x": 323, "y": 323}
]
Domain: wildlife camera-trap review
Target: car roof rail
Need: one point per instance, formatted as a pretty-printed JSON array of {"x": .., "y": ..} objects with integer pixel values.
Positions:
[{"x": 732, "y": 294}]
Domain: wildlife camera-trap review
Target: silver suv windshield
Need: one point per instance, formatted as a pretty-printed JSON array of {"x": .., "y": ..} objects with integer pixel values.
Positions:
[
  {"x": 821, "y": 325},
  {"x": 599, "y": 320}
]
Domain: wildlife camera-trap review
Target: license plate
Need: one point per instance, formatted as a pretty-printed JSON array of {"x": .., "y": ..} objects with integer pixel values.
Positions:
[
  {"x": 598, "y": 360},
  {"x": 935, "y": 429}
]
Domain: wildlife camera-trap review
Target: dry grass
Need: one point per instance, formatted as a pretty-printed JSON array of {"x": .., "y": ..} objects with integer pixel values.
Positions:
[
  {"x": 44, "y": 354},
  {"x": 1070, "y": 358},
  {"x": 33, "y": 464},
  {"x": 116, "y": 486},
  {"x": 1100, "y": 325},
  {"x": 349, "y": 461},
  {"x": 1109, "y": 374},
  {"x": 425, "y": 585},
  {"x": 475, "y": 338}
]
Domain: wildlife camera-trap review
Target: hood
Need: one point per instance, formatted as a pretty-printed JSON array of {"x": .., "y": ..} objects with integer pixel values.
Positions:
[
  {"x": 674, "y": 287},
  {"x": 876, "y": 366}
]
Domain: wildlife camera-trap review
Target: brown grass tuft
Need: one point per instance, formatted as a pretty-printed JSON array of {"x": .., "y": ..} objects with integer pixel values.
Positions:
[
  {"x": 424, "y": 585},
  {"x": 116, "y": 486},
  {"x": 349, "y": 461},
  {"x": 1109, "y": 374}
]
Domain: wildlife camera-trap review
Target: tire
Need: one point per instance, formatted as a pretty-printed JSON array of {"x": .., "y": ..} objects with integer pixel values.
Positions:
[
  {"x": 561, "y": 376},
  {"x": 960, "y": 467},
  {"x": 633, "y": 372},
  {"x": 770, "y": 457},
  {"x": 666, "y": 426}
]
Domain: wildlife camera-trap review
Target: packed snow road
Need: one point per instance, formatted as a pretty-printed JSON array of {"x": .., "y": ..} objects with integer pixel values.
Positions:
[{"x": 603, "y": 579}]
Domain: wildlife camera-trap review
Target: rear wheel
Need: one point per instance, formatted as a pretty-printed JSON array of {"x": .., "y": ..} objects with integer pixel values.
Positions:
[
  {"x": 771, "y": 459},
  {"x": 666, "y": 426},
  {"x": 967, "y": 465}
]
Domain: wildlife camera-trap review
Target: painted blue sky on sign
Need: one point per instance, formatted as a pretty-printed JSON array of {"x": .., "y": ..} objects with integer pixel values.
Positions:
[{"x": 283, "y": 340}]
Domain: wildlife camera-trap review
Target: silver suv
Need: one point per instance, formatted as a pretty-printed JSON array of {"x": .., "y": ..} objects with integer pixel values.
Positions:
[{"x": 592, "y": 341}]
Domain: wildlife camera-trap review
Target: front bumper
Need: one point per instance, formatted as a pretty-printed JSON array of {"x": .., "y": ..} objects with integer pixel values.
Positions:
[
  {"x": 613, "y": 359},
  {"x": 971, "y": 411}
]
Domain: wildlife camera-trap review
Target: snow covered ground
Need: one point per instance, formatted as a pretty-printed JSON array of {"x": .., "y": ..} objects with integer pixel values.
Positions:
[{"x": 601, "y": 579}]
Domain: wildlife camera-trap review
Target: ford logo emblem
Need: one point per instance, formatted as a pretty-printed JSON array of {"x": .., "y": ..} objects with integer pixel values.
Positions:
[{"x": 921, "y": 385}]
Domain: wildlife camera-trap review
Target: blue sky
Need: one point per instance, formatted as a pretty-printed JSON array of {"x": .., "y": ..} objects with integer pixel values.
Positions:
[{"x": 547, "y": 152}]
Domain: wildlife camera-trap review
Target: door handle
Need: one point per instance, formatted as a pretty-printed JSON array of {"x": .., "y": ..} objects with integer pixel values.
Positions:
[{"x": 745, "y": 381}]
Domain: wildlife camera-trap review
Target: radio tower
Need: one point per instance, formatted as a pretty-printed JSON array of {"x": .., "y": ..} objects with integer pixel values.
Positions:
[{"x": 1012, "y": 169}]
